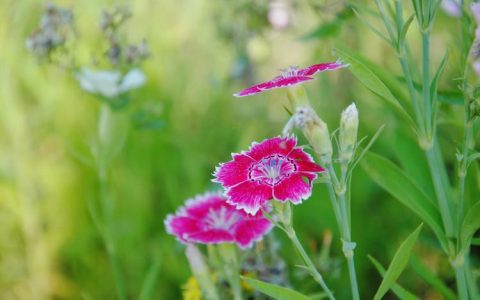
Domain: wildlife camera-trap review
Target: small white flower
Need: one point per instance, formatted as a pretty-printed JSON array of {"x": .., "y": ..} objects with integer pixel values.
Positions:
[{"x": 109, "y": 84}]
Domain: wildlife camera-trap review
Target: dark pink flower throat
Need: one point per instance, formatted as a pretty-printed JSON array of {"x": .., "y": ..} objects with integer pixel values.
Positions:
[{"x": 272, "y": 170}]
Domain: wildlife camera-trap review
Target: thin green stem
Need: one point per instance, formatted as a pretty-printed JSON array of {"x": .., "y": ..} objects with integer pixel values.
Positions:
[
  {"x": 441, "y": 185},
  {"x": 471, "y": 284},
  {"x": 339, "y": 204},
  {"x": 462, "y": 172},
  {"x": 461, "y": 282},
  {"x": 308, "y": 262},
  {"x": 106, "y": 212},
  {"x": 413, "y": 94},
  {"x": 107, "y": 236},
  {"x": 284, "y": 214},
  {"x": 427, "y": 103}
]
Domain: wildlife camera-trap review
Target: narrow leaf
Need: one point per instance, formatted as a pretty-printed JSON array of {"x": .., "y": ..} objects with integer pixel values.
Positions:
[
  {"x": 432, "y": 279},
  {"x": 399, "y": 262},
  {"x": 396, "y": 288},
  {"x": 471, "y": 223},
  {"x": 434, "y": 84},
  {"x": 398, "y": 184},
  {"x": 368, "y": 78},
  {"x": 405, "y": 27},
  {"x": 148, "y": 287},
  {"x": 275, "y": 291}
]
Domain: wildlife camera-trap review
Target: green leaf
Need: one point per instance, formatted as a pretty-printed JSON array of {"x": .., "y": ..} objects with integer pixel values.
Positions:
[
  {"x": 434, "y": 84},
  {"x": 413, "y": 161},
  {"x": 471, "y": 223},
  {"x": 432, "y": 279},
  {"x": 476, "y": 241},
  {"x": 367, "y": 77},
  {"x": 396, "y": 288},
  {"x": 404, "y": 31},
  {"x": 148, "y": 286},
  {"x": 403, "y": 188},
  {"x": 275, "y": 291},
  {"x": 399, "y": 262}
]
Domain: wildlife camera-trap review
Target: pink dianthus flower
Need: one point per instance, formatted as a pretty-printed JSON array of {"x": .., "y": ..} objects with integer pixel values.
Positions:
[
  {"x": 273, "y": 169},
  {"x": 289, "y": 77},
  {"x": 209, "y": 219}
]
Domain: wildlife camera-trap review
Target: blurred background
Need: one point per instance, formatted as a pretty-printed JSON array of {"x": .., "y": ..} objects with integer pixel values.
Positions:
[{"x": 177, "y": 127}]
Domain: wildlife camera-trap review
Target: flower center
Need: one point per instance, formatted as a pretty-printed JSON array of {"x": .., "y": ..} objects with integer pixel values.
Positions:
[
  {"x": 272, "y": 169},
  {"x": 291, "y": 71},
  {"x": 221, "y": 218}
]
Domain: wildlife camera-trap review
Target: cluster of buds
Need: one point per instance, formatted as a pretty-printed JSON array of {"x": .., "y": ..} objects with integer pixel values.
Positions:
[
  {"x": 317, "y": 133},
  {"x": 55, "y": 26},
  {"x": 119, "y": 53}
]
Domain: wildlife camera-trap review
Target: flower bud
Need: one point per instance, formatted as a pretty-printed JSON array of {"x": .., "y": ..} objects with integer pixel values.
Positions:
[
  {"x": 348, "y": 132},
  {"x": 316, "y": 132}
]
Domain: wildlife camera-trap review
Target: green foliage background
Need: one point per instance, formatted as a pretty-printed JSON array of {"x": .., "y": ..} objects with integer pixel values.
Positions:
[{"x": 49, "y": 248}]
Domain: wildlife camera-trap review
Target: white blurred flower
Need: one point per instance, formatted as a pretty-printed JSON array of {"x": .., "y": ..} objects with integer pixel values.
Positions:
[
  {"x": 109, "y": 84},
  {"x": 279, "y": 14},
  {"x": 452, "y": 8}
]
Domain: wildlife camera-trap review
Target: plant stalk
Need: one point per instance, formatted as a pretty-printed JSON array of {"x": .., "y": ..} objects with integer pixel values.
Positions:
[
  {"x": 339, "y": 204},
  {"x": 284, "y": 214},
  {"x": 309, "y": 264}
]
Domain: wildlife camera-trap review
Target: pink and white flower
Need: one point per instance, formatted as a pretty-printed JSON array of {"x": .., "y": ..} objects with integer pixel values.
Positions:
[
  {"x": 289, "y": 77},
  {"x": 273, "y": 169},
  {"x": 209, "y": 219}
]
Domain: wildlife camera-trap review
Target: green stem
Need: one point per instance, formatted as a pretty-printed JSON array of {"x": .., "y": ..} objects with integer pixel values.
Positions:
[
  {"x": 309, "y": 264},
  {"x": 427, "y": 103},
  {"x": 471, "y": 284},
  {"x": 231, "y": 268},
  {"x": 461, "y": 282},
  {"x": 284, "y": 215},
  {"x": 413, "y": 95},
  {"x": 441, "y": 185},
  {"x": 462, "y": 173},
  {"x": 339, "y": 205},
  {"x": 105, "y": 204}
]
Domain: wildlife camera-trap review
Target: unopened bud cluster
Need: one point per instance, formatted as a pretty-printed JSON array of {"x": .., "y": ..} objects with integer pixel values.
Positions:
[
  {"x": 119, "y": 53},
  {"x": 316, "y": 132},
  {"x": 348, "y": 133},
  {"x": 55, "y": 26}
]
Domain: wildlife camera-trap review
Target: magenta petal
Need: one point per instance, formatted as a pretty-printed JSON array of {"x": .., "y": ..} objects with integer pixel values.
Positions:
[
  {"x": 211, "y": 236},
  {"x": 281, "y": 81},
  {"x": 200, "y": 206},
  {"x": 249, "y": 196},
  {"x": 294, "y": 188},
  {"x": 277, "y": 82},
  {"x": 308, "y": 71},
  {"x": 248, "y": 91},
  {"x": 234, "y": 171},
  {"x": 250, "y": 231},
  {"x": 178, "y": 225},
  {"x": 276, "y": 145},
  {"x": 304, "y": 161}
]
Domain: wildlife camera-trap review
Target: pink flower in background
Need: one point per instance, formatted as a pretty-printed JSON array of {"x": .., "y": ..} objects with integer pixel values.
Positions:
[
  {"x": 272, "y": 169},
  {"x": 452, "y": 8},
  {"x": 209, "y": 219},
  {"x": 289, "y": 77}
]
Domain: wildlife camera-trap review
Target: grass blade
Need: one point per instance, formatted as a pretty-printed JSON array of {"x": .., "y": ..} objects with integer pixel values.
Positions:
[{"x": 399, "y": 262}]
